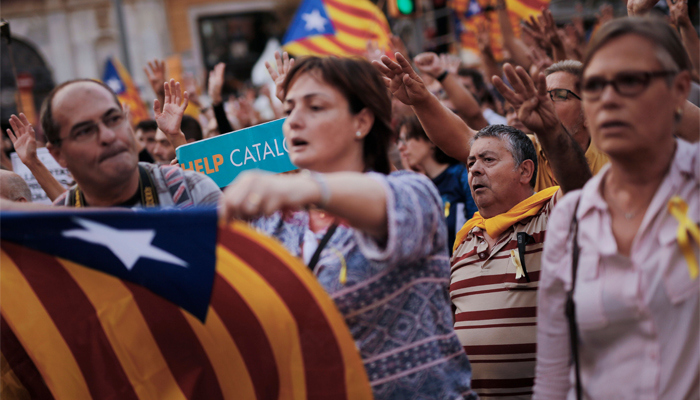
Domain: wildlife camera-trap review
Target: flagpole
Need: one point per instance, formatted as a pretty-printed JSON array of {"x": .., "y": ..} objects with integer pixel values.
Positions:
[{"x": 122, "y": 35}]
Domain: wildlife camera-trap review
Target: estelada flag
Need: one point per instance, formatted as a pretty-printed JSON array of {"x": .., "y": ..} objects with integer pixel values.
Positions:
[
  {"x": 470, "y": 14},
  {"x": 164, "y": 305},
  {"x": 119, "y": 80},
  {"x": 336, "y": 27}
]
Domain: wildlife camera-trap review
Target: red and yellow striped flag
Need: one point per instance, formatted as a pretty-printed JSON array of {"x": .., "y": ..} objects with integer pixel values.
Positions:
[
  {"x": 518, "y": 10},
  {"x": 271, "y": 331},
  {"x": 119, "y": 80},
  {"x": 336, "y": 27}
]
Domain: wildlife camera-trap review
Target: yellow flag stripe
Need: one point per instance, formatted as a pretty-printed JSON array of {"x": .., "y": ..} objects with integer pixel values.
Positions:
[
  {"x": 356, "y": 380},
  {"x": 39, "y": 335},
  {"x": 128, "y": 333},
  {"x": 224, "y": 355},
  {"x": 275, "y": 318}
]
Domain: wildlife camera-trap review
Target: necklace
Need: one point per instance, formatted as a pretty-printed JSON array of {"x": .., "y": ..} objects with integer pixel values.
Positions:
[{"x": 629, "y": 215}]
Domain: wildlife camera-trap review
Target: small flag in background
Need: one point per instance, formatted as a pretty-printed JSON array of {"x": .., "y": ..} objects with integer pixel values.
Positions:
[
  {"x": 471, "y": 14},
  {"x": 83, "y": 318},
  {"x": 336, "y": 27},
  {"x": 119, "y": 80}
]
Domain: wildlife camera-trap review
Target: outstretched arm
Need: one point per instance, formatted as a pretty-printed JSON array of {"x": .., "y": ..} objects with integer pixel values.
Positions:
[
  {"x": 170, "y": 118},
  {"x": 25, "y": 145},
  {"x": 155, "y": 72},
  {"x": 279, "y": 72},
  {"x": 352, "y": 196},
  {"x": 536, "y": 111},
  {"x": 467, "y": 106},
  {"x": 216, "y": 82},
  {"x": 444, "y": 128},
  {"x": 517, "y": 49},
  {"x": 680, "y": 17}
]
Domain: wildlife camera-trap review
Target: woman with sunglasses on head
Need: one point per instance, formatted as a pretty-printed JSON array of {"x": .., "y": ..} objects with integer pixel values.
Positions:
[
  {"x": 628, "y": 325},
  {"x": 375, "y": 241}
]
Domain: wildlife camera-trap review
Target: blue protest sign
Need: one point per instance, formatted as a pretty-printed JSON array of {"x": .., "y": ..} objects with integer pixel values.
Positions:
[{"x": 223, "y": 157}]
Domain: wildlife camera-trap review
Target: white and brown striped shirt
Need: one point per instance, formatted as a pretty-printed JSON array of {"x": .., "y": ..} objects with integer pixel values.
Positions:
[{"x": 495, "y": 313}]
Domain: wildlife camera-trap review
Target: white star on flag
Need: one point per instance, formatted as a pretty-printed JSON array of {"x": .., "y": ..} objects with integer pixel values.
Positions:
[
  {"x": 114, "y": 84},
  {"x": 127, "y": 245},
  {"x": 314, "y": 21}
]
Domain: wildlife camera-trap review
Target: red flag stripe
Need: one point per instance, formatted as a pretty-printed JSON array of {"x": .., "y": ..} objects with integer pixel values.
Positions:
[
  {"x": 358, "y": 12},
  {"x": 361, "y": 33},
  {"x": 323, "y": 361},
  {"x": 179, "y": 345},
  {"x": 249, "y": 336},
  {"x": 76, "y": 319},
  {"x": 312, "y": 46},
  {"x": 348, "y": 49},
  {"x": 21, "y": 364}
]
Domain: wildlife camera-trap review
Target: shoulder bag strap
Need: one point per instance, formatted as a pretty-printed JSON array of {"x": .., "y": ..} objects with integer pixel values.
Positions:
[
  {"x": 571, "y": 306},
  {"x": 321, "y": 245}
]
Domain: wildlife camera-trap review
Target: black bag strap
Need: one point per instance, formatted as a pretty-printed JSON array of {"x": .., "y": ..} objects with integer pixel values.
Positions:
[
  {"x": 570, "y": 310},
  {"x": 523, "y": 240},
  {"x": 321, "y": 245}
]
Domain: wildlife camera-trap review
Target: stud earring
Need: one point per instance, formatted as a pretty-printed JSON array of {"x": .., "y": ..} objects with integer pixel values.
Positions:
[
  {"x": 679, "y": 113},
  {"x": 358, "y": 134}
]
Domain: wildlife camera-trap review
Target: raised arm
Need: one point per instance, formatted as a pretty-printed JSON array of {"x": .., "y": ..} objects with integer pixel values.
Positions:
[
  {"x": 444, "y": 128},
  {"x": 536, "y": 111},
  {"x": 24, "y": 140},
  {"x": 467, "y": 106},
  {"x": 279, "y": 72},
  {"x": 155, "y": 72},
  {"x": 515, "y": 46},
  {"x": 170, "y": 118},
  {"x": 680, "y": 17},
  {"x": 483, "y": 40},
  {"x": 215, "y": 84},
  {"x": 354, "y": 197}
]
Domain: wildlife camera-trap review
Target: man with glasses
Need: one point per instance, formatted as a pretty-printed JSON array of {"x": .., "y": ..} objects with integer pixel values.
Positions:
[
  {"x": 563, "y": 88},
  {"x": 89, "y": 134}
]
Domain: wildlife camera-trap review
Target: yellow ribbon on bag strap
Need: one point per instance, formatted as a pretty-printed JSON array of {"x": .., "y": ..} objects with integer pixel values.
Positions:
[{"x": 679, "y": 209}]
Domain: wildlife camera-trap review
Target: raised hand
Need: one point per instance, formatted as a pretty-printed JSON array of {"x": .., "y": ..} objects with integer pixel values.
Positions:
[
  {"x": 535, "y": 108},
  {"x": 429, "y": 63},
  {"x": 155, "y": 72},
  {"x": 606, "y": 12},
  {"x": 174, "y": 107},
  {"x": 23, "y": 138},
  {"x": 278, "y": 73},
  {"x": 540, "y": 61},
  {"x": 403, "y": 82},
  {"x": 450, "y": 62},
  {"x": 534, "y": 28},
  {"x": 678, "y": 10},
  {"x": 373, "y": 52},
  {"x": 634, "y": 7},
  {"x": 398, "y": 46},
  {"x": 216, "y": 82},
  {"x": 483, "y": 40}
]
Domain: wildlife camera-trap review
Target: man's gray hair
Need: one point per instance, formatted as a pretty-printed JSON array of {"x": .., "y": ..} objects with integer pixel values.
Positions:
[
  {"x": 572, "y": 67},
  {"x": 518, "y": 144}
]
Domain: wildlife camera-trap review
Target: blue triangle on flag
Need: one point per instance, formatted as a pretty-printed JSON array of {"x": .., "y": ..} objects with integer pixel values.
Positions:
[
  {"x": 170, "y": 252},
  {"x": 311, "y": 19},
  {"x": 473, "y": 9},
  {"x": 112, "y": 79}
]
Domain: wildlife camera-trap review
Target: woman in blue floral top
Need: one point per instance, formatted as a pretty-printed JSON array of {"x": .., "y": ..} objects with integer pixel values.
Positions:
[{"x": 376, "y": 241}]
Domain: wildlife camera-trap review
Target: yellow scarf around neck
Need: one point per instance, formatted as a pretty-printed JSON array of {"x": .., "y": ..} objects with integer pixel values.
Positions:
[{"x": 498, "y": 224}]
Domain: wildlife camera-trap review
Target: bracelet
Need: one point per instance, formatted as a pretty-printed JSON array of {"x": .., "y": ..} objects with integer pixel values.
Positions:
[
  {"x": 322, "y": 186},
  {"x": 442, "y": 76}
]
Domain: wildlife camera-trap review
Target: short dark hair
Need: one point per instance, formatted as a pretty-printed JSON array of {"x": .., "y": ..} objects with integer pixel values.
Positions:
[
  {"x": 147, "y": 125},
  {"x": 50, "y": 127},
  {"x": 476, "y": 75},
  {"x": 363, "y": 87},
  {"x": 414, "y": 130},
  {"x": 517, "y": 142},
  {"x": 191, "y": 128}
]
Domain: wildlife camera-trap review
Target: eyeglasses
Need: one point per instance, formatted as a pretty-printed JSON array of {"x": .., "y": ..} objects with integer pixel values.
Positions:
[
  {"x": 627, "y": 84},
  {"x": 561, "y": 94},
  {"x": 88, "y": 130}
]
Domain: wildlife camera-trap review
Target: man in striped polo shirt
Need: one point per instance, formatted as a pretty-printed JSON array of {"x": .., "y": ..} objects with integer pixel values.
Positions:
[{"x": 496, "y": 262}]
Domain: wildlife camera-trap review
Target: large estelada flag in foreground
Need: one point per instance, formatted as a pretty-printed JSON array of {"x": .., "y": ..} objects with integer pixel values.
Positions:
[
  {"x": 336, "y": 27},
  {"x": 164, "y": 305},
  {"x": 119, "y": 80},
  {"x": 471, "y": 13}
]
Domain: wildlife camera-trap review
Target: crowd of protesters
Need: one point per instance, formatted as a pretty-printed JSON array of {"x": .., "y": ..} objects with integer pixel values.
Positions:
[{"x": 510, "y": 230}]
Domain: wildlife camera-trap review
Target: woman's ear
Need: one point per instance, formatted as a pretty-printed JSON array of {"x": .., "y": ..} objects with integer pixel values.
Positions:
[{"x": 364, "y": 120}]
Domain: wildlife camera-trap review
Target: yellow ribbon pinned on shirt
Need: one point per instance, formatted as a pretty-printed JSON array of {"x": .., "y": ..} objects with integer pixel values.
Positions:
[
  {"x": 519, "y": 273},
  {"x": 679, "y": 209}
]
